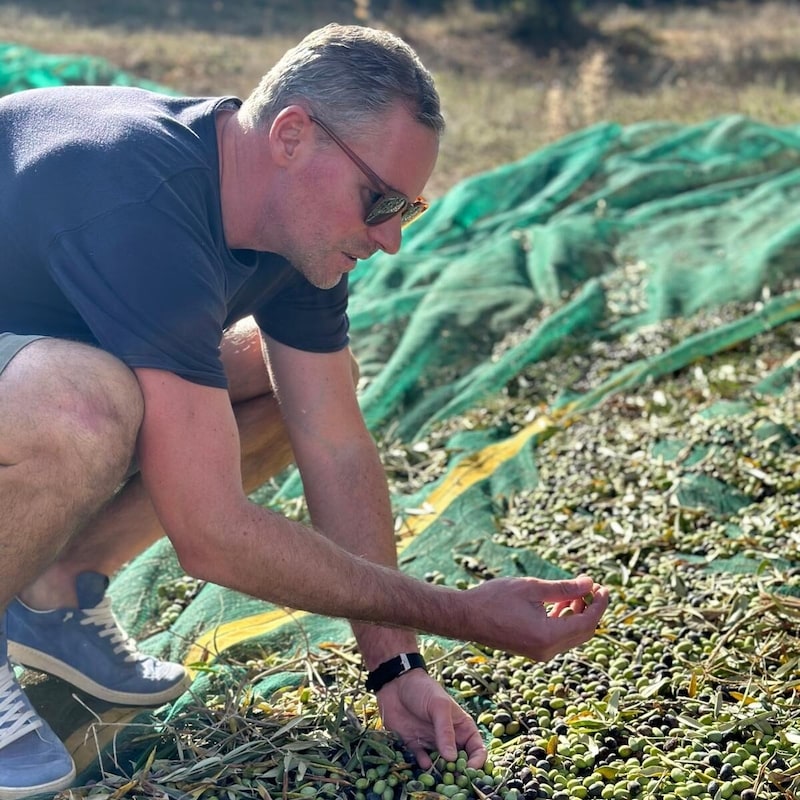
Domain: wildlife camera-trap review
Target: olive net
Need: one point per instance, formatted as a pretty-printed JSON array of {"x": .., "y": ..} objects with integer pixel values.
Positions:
[
  {"x": 25, "y": 68},
  {"x": 531, "y": 303}
]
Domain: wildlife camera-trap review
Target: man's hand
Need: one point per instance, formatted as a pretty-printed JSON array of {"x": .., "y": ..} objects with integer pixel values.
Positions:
[
  {"x": 537, "y": 618},
  {"x": 426, "y": 718}
]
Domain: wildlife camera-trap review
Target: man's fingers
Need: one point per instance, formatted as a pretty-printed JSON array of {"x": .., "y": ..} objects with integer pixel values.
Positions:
[
  {"x": 420, "y": 753},
  {"x": 579, "y": 605},
  {"x": 560, "y": 591},
  {"x": 476, "y": 750},
  {"x": 444, "y": 731},
  {"x": 565, "y": 627},
  {"x": 578, "y": 627}
]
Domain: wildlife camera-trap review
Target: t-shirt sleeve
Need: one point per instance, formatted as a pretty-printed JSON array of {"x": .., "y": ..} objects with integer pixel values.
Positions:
[
  {"x": 307, "y": 318},
  {"x": 151, "y": 291}
]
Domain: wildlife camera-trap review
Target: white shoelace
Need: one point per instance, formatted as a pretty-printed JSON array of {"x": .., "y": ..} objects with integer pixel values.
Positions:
[
  {"x": 16, "y": 718},
  {"x": 102, "y": 616}
]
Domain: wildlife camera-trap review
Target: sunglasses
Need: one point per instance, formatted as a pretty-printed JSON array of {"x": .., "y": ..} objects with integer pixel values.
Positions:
[{"x": 390, "y": 202}]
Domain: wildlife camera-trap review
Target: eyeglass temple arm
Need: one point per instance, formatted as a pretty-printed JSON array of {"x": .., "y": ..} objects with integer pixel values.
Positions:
[{"x": 381, "y": 184}]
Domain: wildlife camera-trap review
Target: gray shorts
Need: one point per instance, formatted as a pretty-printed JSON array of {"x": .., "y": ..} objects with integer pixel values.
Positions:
[{"x": 11, "y": 344}]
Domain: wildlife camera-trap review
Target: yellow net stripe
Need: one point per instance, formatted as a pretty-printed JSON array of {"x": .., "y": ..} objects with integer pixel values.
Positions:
[{"x": 470, "y": 470}]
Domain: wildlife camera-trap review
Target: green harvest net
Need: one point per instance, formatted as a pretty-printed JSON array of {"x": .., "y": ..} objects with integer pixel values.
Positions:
[
  {"x": 596, "y": 238},
  {"x": 24, "y": 68}
]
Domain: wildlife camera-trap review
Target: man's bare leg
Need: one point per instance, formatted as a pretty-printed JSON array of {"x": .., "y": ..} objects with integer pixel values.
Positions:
[
  {"x": 69, "y": 416},
  {"x": 127, "y": 524}
]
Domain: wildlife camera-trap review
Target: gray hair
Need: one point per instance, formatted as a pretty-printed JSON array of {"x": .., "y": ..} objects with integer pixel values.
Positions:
[{"x": 348, "y": 76}]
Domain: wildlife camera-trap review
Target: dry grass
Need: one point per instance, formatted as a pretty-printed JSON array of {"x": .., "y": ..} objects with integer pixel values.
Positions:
[{"x": 684, "y": 64}]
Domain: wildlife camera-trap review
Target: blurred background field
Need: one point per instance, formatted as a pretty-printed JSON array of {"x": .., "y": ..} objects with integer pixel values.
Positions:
[{"x": 503, "y": 95}]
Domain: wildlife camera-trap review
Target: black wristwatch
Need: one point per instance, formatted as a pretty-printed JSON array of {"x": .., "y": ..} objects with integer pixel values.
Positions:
[{"x": 394, "y": 668}]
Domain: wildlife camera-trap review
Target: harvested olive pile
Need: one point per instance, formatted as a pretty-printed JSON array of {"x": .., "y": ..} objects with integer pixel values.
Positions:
[{"x": 684, "y": 497}]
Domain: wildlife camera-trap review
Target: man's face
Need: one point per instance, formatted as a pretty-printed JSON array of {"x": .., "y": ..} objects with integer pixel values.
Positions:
[{"x": 327, "y": 233}]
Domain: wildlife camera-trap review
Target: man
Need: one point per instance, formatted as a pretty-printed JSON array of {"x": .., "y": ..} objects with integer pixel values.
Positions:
[{"x": 173, "y": 309}]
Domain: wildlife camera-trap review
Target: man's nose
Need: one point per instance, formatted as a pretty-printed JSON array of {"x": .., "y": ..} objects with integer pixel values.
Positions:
[{"x": 388, "y": 235}]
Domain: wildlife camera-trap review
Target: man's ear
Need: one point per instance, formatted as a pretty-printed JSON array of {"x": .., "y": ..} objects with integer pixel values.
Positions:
[{"x": 290, "y": 135}]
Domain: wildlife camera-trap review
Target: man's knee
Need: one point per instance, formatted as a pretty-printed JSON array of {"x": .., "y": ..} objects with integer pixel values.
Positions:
[
  {"x": 242, "y": 353},
  {"x": 109, "y": 402},
  {"x": 72, "y": 400}
]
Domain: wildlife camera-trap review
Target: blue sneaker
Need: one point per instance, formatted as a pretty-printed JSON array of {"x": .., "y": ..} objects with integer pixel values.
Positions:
[
  {"x": 32, "y": 758},
  {"x": 86, "y": 647}
]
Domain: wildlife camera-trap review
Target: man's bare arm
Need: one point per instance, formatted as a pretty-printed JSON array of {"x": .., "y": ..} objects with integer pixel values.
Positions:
[
  {"x": 344, "y": 480},
  {"x": 189, "y": 455}
]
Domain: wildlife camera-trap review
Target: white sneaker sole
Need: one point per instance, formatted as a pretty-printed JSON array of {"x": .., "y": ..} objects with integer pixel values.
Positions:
[
  {"x": 35, "y": 659},
  {"x": 7, "y": 793}
]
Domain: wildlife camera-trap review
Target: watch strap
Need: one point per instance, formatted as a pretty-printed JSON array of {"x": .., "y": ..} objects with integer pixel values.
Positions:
[{"x": 394, "y": 668}]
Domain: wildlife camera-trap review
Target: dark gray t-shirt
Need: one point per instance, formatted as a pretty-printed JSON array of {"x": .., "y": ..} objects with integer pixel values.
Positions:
[{"x": 111, "y": 233}]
